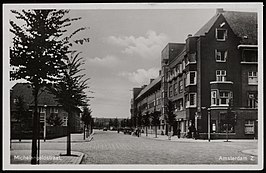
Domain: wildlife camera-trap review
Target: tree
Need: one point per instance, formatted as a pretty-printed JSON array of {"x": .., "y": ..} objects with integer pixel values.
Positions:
[
  {"x": 111, "y": 123},
  {"x": 86, "y": 118},
  {"x": 155, "y": 120},
  {"x": 230, "y": 118},
  {"x": 116, "y": 123},
  {"x": 21, "y": 114},
  {"x": 139, "y": 119},
  {"x": 70, "y": 91},
  {"x": 146, "y": 121},
  {"x": 37, "y": 52},
  {"x": 170, "y": 116},
  {"x": 55, "y": 120}
]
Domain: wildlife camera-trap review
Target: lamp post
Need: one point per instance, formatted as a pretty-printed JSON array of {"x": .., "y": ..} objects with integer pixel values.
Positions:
[
  {"x": 209, "y": 124},
  {"x": 44, "y": 126}
]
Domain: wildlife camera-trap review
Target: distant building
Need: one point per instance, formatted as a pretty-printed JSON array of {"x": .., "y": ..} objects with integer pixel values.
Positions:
[
  {"x": 215, "y": 67},
  {"x": 47, "y": 106}
]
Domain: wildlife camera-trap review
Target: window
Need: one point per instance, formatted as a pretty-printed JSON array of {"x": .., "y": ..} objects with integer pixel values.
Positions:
[
  {"x": 253, "y": 100},
  {"x": 252, "y": 78},
  {"x": 175, "y": 89},
  {"x": 191, "y": 78},
  {"x": 221, "y": 34},
  {"x": 213, "y": 97},
  {"x": 170, "y": 91},
  {"x": 221, "y": 75},
  {"x": 249, "y": 55},
  {"x": 249, "y": 127},
  {"x": 220, "y": 55},
  {"x": 192, "y": 99},
  {"x": 180, "y": 86},
  {"x": 180, "y": 105},
  {"x": 183, "y": 65},
  {"x": 224, "y": 97},
  {"x": 65, "y": 119},
  {"x": 42, "y": 110},
  {"x": 54, "y": 110}
]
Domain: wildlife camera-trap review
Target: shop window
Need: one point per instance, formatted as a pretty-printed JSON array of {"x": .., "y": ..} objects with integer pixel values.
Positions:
[{"x": 249, "y": 127}]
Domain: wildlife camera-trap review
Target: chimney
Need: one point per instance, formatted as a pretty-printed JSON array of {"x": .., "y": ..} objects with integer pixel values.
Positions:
[
  {"x": 151, "y": 80},
  {"x": 219, "y": 10}
]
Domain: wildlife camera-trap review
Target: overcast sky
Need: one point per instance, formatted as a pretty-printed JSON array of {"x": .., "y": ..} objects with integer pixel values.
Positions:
[{"x": 125, "y": 48}]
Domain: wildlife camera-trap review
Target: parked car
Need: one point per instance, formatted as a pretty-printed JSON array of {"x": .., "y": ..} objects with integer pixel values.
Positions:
[
  {"x": 104, "y": 129},
  {"x": 127, "y": 130}
]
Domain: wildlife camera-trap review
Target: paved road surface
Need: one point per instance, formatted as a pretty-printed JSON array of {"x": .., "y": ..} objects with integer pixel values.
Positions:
[
  {"x": 113, "y": 148},
  {"x": 116, "y": 148}
]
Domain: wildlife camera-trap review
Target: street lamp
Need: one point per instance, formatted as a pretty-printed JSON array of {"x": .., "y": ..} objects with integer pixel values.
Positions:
[
  {"x": 209, "y": 124},
  {"x": 44, "y": 126}
]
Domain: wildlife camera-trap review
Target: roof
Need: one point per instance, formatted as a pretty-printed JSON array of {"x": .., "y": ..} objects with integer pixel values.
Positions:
[
  {"x": 242, "y": 24},
  {"x": 148, "y": 87},
  {"x": 25, "y": 90}
]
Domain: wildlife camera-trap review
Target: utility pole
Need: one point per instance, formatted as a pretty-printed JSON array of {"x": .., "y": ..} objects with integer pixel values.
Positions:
[{"x": 209, "y": 125}]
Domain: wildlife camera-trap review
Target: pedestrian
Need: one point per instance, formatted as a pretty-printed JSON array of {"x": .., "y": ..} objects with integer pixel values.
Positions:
[
  {"x": 138, "y": 131},
  {"x": 178, "y": 133}
]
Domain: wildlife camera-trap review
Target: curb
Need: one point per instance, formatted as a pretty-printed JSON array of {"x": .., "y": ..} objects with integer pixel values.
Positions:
[{"x": 80, "y": 158}]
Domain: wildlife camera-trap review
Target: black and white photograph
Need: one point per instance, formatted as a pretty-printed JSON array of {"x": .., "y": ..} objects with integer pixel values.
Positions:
[{"x": 132, "y": 86}]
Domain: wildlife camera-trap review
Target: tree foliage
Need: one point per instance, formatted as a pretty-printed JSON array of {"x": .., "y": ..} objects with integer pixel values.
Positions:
[
  {"x": 38, "y": 46},
  {"x": 170, "y": 116},
  {"x": 146, "y": 119},
  {"x": 86, "y": 116},
  {"x": 55, "y": 120},
  {"x": 70, "y": 90},
  {"x": 155, "y": 118}
]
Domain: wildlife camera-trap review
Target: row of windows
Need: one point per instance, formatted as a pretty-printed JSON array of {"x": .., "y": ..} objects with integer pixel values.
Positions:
[
  {"x": 252, "y": 77},
  {"x": 190, "y": 79},
  {"x": 221, "y": 98},
  {"x": 249, "y": 127}
]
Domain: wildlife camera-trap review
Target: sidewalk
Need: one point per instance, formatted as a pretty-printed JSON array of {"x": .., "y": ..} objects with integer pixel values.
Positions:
[
  {"x": 74, "y": 138},
  {"x": 253, "y": 152},
  {"x": 19, "y": 156},
  {"x": 176, "y": 139}
]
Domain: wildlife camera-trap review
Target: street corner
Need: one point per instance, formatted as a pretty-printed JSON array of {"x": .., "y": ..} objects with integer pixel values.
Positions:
[{"x": 46, "y": 157}]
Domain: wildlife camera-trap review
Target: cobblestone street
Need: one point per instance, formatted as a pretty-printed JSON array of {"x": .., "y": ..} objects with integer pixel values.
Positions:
[
  {"x": 110, "y": 147},
  {"x": 113, "y": 148}
]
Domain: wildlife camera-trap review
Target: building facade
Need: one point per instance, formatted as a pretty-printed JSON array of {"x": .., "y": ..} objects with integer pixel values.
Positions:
[
  {"x": 214, "y": 72},
  {"x": 53, "y": 119}
]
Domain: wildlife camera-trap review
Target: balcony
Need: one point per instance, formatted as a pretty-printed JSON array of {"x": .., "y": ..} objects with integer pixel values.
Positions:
[{"x": 224, "y": 85}]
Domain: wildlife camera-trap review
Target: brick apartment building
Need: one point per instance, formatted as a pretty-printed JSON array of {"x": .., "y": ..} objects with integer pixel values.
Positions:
[
  {"x": 215, "y": 67},
  {"x": 47, "y": 106}
]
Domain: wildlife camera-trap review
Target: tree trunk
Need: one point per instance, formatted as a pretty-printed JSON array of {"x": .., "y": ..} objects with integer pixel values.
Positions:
[
  {"x": 146, "y": 130},
  {"x": 84, "y": 131},
  {"x": 155, "y": 131},
  {"x": 227, "y": 132},
  {"x": 68, "y": 135},
  {"x": 20, "y": 128},
  {"x": 34, "y": 128}
]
